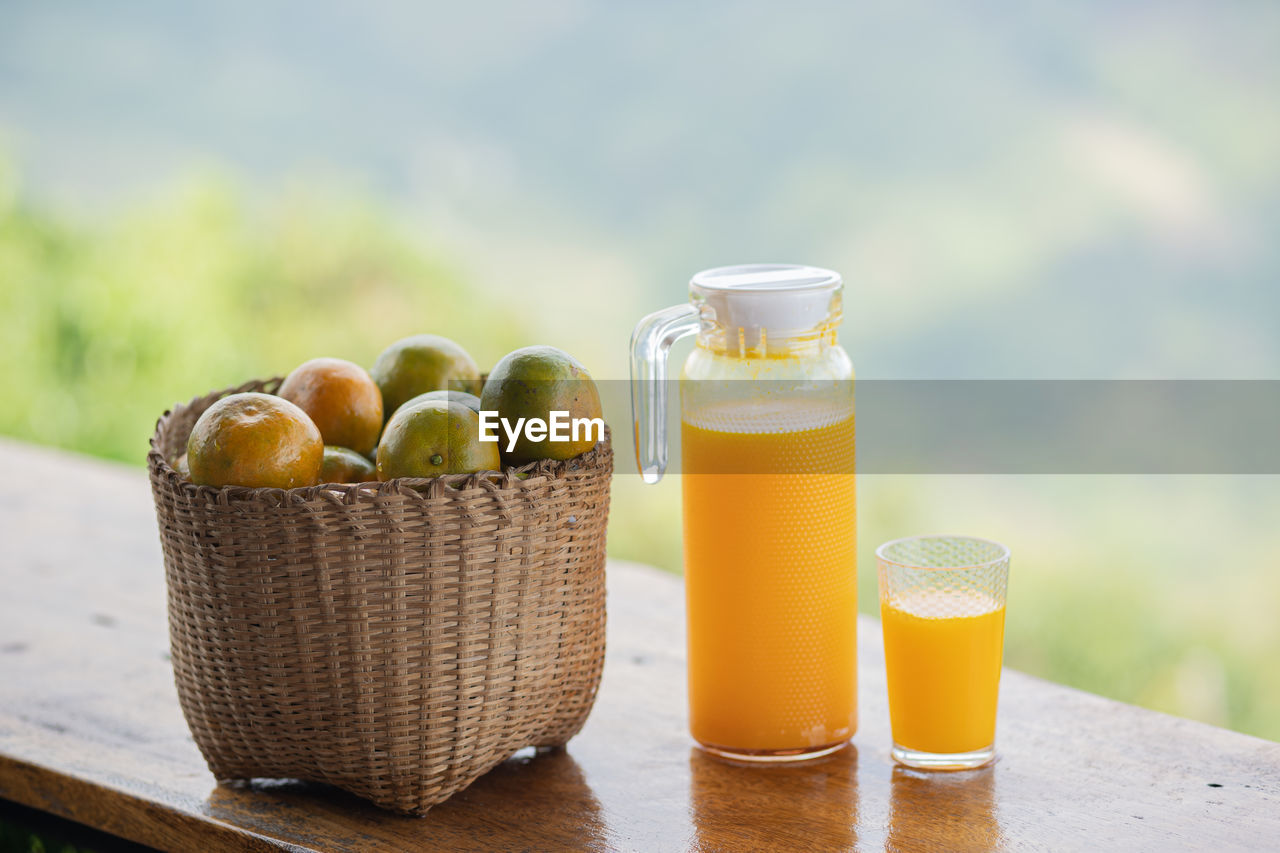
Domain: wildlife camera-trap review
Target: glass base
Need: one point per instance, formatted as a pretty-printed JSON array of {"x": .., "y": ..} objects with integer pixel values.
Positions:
[
  {"x": 774, "y": 756},
  {"x": 943, "y": 760}
]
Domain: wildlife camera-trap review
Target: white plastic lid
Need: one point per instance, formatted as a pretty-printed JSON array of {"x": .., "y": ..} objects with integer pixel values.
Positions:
[{"x": 781, "y": 298}]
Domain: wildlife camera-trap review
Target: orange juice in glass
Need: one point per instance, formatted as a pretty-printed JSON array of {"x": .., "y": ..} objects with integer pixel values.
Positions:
[
  {"x": 767, "y": 455},
  {"x": 942, "y": 604}
]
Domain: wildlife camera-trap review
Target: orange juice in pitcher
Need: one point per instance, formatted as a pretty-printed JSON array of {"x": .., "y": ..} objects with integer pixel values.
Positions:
[{"x": 767, "y": 469}]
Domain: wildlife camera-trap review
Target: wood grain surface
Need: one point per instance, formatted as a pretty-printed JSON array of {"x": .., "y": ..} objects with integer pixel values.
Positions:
[{"x": 90, "y": 730}]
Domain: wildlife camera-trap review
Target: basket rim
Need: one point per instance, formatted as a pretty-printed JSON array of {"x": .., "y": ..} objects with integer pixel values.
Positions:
[{"x": 535, "y": 473}]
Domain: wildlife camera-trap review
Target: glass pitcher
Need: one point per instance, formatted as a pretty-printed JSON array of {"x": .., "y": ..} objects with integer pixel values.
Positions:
[{"x": 767, "y": 474}]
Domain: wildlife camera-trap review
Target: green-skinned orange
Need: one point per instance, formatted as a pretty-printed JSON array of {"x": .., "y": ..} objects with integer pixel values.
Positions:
[
  {"x": 344, "y": 465},
  {"x": 422, "y": 363},
  {"x": 532, "y": 382},
  {"x": 433, "y": 438},
  {"x": 471, "y": 401}
]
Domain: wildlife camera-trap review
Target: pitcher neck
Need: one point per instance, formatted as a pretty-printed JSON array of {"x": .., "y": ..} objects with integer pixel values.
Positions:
[{"x": 759, "y": 342}]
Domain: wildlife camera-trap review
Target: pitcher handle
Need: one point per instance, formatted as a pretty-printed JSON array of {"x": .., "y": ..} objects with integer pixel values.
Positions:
[{"x": 650, "y": 343}]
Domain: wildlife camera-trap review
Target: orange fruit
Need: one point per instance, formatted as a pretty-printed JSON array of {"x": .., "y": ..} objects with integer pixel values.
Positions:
[
  {"x": 471, "y": 401},
  {"x": 180, "y": 465},
  {"x": 256, "y": 440},
  {"x": 532, "y": 382},
  {"x": 432, "y": 438},
  {"x": 422, "y": 363},
  {"x": 344, "y": 465},
  {"x": 342, "y": 399}
]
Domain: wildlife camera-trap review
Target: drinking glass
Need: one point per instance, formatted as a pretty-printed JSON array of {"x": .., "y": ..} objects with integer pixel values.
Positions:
[{"x": 942, "y": 603}]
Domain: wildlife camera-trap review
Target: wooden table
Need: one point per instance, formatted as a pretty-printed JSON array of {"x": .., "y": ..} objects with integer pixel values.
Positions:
[{"x": 90, "y": 730}]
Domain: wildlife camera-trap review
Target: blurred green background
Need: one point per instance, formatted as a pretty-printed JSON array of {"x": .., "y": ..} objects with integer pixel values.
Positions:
[{"x": 190, "y": 197}]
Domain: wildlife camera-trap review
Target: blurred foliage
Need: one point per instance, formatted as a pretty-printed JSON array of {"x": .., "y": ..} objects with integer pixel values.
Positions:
[{"x": 106, "y": 323}]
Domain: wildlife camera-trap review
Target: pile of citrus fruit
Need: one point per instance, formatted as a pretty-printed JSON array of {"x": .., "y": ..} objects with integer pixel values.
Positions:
[{"x": 415, "y": 413}]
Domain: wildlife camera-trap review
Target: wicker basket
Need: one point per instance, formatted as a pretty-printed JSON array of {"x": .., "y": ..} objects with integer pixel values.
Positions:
[{"x": 393, "y": 639}]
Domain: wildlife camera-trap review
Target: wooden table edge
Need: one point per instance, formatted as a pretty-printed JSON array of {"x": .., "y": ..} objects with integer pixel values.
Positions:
[{"x": 67, "y": 795}]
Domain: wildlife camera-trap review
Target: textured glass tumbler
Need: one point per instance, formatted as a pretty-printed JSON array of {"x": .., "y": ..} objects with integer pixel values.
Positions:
[{"x": 942, "y": 601}]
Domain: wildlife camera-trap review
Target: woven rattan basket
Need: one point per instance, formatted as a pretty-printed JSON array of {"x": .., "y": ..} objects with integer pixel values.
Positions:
[{"x": 393, "y": 639}]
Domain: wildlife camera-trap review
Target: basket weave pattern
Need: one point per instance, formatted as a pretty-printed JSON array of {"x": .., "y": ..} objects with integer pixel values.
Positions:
[{"x": 393, "y": 639}]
